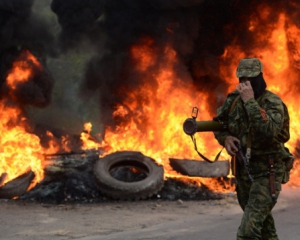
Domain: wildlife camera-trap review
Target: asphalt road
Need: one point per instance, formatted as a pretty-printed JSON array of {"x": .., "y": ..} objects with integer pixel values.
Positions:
[
  {"x": 218, "y": 225},
  {"x": 140, "y": 220}
]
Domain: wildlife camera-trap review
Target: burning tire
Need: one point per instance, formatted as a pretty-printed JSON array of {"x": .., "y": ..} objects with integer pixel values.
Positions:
[
  {"x": 128, "y": 176},
  {"x": 18, "y": 186}
]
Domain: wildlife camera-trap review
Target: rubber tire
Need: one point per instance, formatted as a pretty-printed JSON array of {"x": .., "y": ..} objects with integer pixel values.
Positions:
[
  {"x": 117, "y": 189},
  {"x": 17, "y": 186}
]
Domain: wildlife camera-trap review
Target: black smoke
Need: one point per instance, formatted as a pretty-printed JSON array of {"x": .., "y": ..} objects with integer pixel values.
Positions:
[
  {"x": 20, "y": 31},
  {"x": 78, "y": 20},
  {"x": 199, "y": 31}
]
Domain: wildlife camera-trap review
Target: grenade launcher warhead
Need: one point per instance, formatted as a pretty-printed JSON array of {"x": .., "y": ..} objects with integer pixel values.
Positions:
[{"x": 191, "y": 126}]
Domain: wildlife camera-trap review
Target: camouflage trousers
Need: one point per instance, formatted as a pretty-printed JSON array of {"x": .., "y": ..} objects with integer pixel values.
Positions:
[{"x": 256, "y": 201}]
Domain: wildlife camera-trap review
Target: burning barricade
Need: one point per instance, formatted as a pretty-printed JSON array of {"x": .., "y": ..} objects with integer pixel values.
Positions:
[
  {"x": 148, "y": 78},
  {"x": 54, "y": 169}
]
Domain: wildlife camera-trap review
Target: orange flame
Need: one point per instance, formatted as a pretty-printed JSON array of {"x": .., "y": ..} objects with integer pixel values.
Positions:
[
  {"x": 21, "y": 70},
  {"x": 156, "y": 130},
  {"x": 280, "y": 66},
  {"x": 88, "y": 141},
  {"x": 162, "y": 136},
  {"x": 19, "y": 150}
]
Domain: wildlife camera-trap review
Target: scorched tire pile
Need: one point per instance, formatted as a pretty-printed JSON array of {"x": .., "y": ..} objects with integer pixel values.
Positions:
[{"x": 151, "y": 183}]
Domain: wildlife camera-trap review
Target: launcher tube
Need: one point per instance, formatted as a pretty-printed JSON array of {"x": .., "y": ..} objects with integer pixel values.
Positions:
[{"x": 191, "y": 126}]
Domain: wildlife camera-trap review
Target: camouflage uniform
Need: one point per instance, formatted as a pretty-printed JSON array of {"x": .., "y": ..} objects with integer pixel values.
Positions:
[{"x": 263, "y": 119}]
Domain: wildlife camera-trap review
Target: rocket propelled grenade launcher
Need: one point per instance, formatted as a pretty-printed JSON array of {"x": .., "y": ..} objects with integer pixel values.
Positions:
[{"x": 191, "y": 126}]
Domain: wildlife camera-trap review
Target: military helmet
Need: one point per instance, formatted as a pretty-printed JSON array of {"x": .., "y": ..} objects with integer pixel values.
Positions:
[{"x": 249, "y": 67}]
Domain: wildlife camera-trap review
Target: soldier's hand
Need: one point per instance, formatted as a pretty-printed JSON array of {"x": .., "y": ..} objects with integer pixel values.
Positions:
[
  {"x": 245, "y": 90},
  {"x": 230, "y": 146}
]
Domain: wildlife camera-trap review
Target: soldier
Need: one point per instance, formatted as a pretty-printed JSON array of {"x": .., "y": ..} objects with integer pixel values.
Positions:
[{"x": 255, "y": 121}]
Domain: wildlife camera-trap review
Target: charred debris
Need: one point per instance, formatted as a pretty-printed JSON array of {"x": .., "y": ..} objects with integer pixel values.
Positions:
[{"x": 70, "y": 179}]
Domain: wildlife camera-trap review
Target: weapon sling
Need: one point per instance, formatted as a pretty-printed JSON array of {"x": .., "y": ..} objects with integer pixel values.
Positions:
[{"x": 218, "y": 155}]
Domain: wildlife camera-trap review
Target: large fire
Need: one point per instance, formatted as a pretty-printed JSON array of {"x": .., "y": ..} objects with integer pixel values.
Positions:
[
  {"x": 161, "y": 136},
  {"x": 20, "y": 151},
  {"x": 280, "y": 66}
]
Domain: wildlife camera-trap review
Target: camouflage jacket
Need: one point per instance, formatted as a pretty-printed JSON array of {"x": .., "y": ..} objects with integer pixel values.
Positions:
[{"x": 262, "y": 117}]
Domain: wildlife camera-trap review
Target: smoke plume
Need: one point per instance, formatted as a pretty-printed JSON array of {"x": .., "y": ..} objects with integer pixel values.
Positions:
[
  {"x": 198, "y": 30},
  {"x": 20, "y": 31}
]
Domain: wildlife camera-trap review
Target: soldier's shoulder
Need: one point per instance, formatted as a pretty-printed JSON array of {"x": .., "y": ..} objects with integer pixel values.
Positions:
[
  {"x": 272, "y": 97},
  {"x": 233, "y": 94},
  {"x": 228, "y": 101}
]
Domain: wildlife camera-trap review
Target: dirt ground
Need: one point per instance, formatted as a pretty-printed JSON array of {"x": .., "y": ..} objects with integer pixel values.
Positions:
[{"x": 146, "y": 219}]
